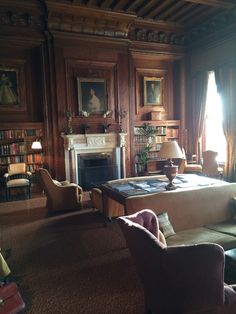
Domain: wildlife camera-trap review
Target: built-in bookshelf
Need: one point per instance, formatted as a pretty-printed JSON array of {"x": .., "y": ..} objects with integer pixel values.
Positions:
[
  {"x": 15, "y": 145},
  {"x": 165, "y": 130}
]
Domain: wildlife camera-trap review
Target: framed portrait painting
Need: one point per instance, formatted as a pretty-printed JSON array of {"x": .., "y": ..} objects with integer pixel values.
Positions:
[
  {"x": 9, "y": 88},
  {"x": 153, "y": 91},
  {"x": 92, "y": 95}
]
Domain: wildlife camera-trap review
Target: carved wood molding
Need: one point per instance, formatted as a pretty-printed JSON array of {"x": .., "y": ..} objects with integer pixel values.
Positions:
[
  {"x": 157, "y": 32},
  {"x": 80, "y": 19},
  {"x": 156, "y": 36},
  {"x": 26, "y": 14},
  {"x": 72, "y": 17}
]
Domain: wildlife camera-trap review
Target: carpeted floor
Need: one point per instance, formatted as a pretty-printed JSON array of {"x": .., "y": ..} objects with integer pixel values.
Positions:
[{"x": 70, "y": 263}]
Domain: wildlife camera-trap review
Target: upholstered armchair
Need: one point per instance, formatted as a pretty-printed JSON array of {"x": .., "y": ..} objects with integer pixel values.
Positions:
[
  {"x": 177, "y": 279},
  {"x": 185, "y": 167},
  {"x": 61, "y": 196},
  {"x": 17, "y": 177},
  {"x": 210, "y": 165}
]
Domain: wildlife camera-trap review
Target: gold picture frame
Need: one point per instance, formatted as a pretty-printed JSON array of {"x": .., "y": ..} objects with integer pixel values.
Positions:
[
  {"x": 153, "y": 91},
  {"x": 92, "y": 95},
  {"x": 9, "y": 88}
]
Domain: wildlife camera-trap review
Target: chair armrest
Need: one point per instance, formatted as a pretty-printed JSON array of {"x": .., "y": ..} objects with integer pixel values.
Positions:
[
  {"x": 29, "y": 173},
  {"x": 196, "y": 271},
  {"x": 68, "y": 190},
  {"x": 80, "y": 189},
  {"x": 96, "y": 198},
  {"x": 96, "y": 191}
]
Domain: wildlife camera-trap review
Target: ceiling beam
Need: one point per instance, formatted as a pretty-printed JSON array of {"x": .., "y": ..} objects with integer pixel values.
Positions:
[{"x": 215, "y": 3}]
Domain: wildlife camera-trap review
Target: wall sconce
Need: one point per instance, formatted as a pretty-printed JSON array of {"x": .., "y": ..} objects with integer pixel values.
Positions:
[{"x": 36, "y": 145}]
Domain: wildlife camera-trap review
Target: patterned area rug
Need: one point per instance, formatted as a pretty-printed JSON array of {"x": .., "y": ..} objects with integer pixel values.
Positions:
[{"x": 69, "y": 263}]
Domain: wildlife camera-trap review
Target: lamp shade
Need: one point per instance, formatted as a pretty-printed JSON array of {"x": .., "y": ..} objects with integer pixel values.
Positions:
[
  {"x": 36, "y": 145},
  {"x": 170, "y": 150}
]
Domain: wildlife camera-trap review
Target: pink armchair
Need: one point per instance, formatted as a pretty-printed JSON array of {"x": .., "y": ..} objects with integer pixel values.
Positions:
[{"x": 178, "y": 279}]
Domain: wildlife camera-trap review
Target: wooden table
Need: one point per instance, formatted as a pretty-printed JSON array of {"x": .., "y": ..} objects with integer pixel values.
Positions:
[{"x": 121, "y": 189}]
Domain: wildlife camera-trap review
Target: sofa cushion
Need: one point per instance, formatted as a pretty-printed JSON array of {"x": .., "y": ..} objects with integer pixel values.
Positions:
[
  {"x": 227, "y": 227},
  {"x": 202, "y": 235},
  {"x": 165, "y": 225}
]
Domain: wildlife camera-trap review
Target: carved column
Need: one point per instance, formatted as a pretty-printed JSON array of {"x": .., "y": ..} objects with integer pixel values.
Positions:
[{"x": 122, "y": 144}]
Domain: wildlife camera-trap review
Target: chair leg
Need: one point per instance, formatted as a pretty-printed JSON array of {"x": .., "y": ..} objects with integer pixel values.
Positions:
[{"x": 7, "y": 194}]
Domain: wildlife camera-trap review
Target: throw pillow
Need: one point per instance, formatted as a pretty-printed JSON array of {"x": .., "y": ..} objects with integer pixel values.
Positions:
[
  {"x": 165, "y": 225},
  {"x": 234, "y": 205}
]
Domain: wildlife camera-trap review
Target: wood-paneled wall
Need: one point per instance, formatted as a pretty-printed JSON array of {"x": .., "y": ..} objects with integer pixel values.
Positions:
[{"x": 50, "y": 60}]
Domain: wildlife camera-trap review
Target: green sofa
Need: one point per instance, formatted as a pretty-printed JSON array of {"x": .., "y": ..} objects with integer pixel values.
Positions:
[{"x": 203, "y": 214}]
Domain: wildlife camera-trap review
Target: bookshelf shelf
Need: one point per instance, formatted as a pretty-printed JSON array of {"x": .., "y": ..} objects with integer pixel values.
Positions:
[
  {"x": 164, "y": 130},
  {"x": 15, "y": 145}
]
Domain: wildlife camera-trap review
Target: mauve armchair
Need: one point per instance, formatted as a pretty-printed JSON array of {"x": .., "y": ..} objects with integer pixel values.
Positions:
[{"x": 177, "y": 279}]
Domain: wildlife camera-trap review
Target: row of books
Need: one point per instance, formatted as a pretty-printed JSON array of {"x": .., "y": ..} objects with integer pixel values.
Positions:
[
  {"x": 159, "y": 138},
  {"x": 172, "y": 132},
  {"x": 12, "y": 149},
  {"x": 29, "y": 159},
  {"x": 19, "y": 133},
  {"x": 34, "y": 158},
  {"x": 11, "y": 159},
  {"x": 160, "y": 130}
]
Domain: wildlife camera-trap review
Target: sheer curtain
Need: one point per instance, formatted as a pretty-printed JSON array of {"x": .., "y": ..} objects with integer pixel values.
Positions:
[
  {"x": 213, "y": 136},
  {"x": 199, "y": 94},
  {"x": 225, "y": 81}
]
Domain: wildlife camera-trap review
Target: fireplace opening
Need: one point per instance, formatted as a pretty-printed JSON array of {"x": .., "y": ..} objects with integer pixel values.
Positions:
[{"x": 96, "y": 168}]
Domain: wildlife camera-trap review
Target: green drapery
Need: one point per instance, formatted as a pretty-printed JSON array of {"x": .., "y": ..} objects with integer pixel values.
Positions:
[
  {"x": 226, "y": 87},
  {"x": 199, "y": 94}
]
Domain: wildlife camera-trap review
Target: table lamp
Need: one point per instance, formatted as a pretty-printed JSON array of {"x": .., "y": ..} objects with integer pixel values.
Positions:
[
  {"x": 170, "y": 150},
  {"x": 36, "y": 145}
]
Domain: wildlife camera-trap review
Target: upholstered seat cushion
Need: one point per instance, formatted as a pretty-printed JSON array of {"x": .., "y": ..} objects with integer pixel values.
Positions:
[
  {"x": 18, "y": 182},
  {"x": 201, "y": 235},
  {"x": 193, "y": 168},
  {"x": 227, "y": 227},
  {"x": 62, "y": 183}
]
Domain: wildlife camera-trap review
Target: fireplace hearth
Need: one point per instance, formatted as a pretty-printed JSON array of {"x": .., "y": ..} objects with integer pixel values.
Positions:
[
  {"x": 94, "y": 158},
  {"x": 96, "y": 168}
]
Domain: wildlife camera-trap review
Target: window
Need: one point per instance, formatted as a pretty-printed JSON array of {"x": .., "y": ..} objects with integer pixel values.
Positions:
[{"x": 214, "y": 138}]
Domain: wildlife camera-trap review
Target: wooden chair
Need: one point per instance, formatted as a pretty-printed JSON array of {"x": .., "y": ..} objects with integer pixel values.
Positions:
[
  {"x": 61, "y": 196},
  {"x": 210, "y": 165},
  {"x": 17, "y": 177}
]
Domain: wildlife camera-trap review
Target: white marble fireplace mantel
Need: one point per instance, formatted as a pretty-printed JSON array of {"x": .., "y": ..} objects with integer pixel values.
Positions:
[{"x": 75, "y": 144}]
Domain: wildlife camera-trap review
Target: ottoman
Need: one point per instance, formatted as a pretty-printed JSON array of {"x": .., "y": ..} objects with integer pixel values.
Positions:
[{"x": 230, "y": 266}]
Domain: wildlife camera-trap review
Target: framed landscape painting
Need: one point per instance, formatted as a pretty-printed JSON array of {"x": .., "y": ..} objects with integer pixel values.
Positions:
[
  {"x": 92, "y": 95},
  {"x": 153, "y": 91},
  {"x": 9, "y": 88}
]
